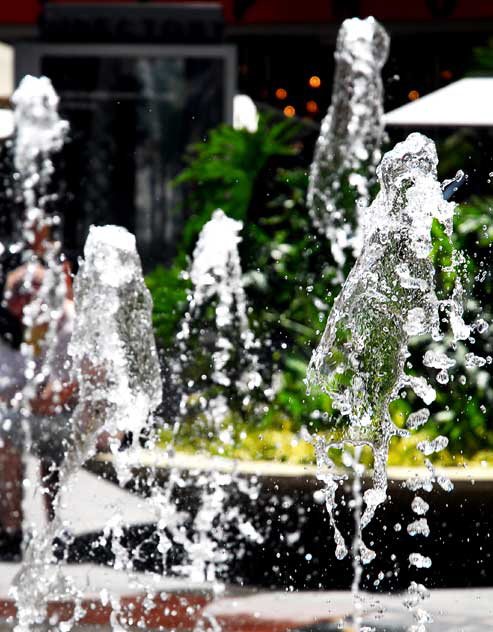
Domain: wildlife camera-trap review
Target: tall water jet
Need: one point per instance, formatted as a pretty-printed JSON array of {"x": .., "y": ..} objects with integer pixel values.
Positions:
[
  {"x": 388, "y": 297},
  {"x": 114, "y": 356},
  {"x": 348, "y": 148},
  {"x": 218, "y": 374},
  {"x": 115, "y": 365},
  {"x": 223, "y": 341},
  {"x": 39, "y": 132}
]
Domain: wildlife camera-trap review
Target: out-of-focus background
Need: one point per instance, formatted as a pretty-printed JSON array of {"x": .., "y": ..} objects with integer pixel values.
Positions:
[
  {"x": 147, "y": 87},
  {"x": 139, "y": 81}
]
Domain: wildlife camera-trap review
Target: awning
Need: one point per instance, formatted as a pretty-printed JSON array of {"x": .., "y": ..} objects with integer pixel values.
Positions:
[
  {"x": 464, "y": 103},
  {"x": 6, "y": 71},
  {"x": 6, "y": 123}
]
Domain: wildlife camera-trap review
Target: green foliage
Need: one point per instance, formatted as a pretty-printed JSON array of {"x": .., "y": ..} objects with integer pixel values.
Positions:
[
  {"x": 222, "y": 172},
  {"x": 168, "y": 287},
  {"x": 291, "y": 289},
  {"x": 464, "y": 402},
  {"x": 483, "y": 60},
  {"x": 291, "y": 283}
]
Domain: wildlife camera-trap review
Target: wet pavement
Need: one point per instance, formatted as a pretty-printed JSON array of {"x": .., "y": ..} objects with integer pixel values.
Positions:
[{"x": 180, "y": 605}]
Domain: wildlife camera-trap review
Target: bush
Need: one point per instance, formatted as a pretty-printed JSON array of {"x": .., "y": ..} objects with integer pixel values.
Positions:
[{"x": 290, "y": 281}]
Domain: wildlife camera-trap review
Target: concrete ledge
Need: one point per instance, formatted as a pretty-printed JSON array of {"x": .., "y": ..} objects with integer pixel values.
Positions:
[
  {"x": 298, "y": 546},
  {"x": 463, "y": 477}
]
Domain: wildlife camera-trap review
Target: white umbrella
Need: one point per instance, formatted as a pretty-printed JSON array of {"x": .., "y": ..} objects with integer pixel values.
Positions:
[{"x": 467, "y": 102}]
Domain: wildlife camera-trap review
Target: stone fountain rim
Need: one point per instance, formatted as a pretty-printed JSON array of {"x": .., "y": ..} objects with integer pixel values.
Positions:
[{"x": 160, "y": 459}]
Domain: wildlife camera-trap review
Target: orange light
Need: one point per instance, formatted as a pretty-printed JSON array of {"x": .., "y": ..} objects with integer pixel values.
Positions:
[
  {"x": 312, "y": 107},
  {"x": 281, "y": 94},
  {"x": 446, "y": 74},
  {"x": 314, "y": 82},
  {"x": 289, "y": 111},
  {"x": 413, "y": 95}
]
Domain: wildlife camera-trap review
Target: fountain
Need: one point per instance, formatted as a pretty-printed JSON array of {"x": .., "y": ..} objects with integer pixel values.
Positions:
[
  {"x": 39, "y": 132},
  {"x": 114, "y": 361},
  {"x": 388, "y": 297},
  {"x": 348, "y": 148},
  {"x": 362, "y": 361},
  {"x": 114, "y": 357},
  {"x": 216, "y": 372},
  {"x": 227, "y": 340},
  {"x": 115, "y": 365}
]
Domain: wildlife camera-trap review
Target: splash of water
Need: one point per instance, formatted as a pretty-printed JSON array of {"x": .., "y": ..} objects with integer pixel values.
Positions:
[
  {"x": 39, "y": 132},
  {"x": 216, "y": 276},
  {"x": 348, "y": 148},
  {"x": 113, "y": 351},
  {"x": 115, "y": 364},
  {"x": 388, "y": 297},
  {"x": 217, "y": 364},
  {"x": 358, "y": 549}
]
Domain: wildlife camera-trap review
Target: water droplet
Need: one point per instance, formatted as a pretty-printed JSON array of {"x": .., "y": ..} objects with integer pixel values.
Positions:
[
  {"x": 420, "y": 561},
  {"x": 419, "y": 506},
  {"x": 419, "y": 527},
  {"x": 481, "y": 326},
  {"x": 443, "y": 377},
  {"x": 430, "y": 447}
]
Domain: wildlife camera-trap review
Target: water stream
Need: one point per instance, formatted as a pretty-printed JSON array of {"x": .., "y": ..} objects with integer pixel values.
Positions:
[
  {"x": 348, "y": 149},
  {"x": 389, "y": 297},
  {"x": 216, "y": 370},
  {"x": 229, "y": 357},
  {"x": 362, "y": 361},
  {"x": 114, "y": 362},
  {"x": 39, "y": 132}
]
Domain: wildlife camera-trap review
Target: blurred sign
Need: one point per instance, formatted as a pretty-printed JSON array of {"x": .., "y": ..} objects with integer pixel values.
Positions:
[
  {"x": 133, "y": 22},
  {"x": 268, "y": 11}
]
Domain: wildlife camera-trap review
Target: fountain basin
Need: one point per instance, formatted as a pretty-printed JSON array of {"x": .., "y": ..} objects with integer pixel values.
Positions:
[{"x": 298, "y": 548}]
